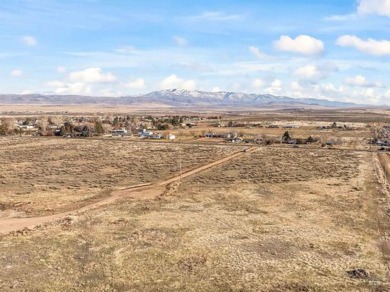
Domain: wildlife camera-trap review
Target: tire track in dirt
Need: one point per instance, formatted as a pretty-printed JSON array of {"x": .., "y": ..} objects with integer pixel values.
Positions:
[
  {"x": 143, "y": 192},
  {"x": 384, "y": 160},
  {"x": 382, "y": 219}
]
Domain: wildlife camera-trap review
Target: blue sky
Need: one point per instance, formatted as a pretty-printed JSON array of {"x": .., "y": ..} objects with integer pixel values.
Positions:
[{"x": 338, "y": 50}]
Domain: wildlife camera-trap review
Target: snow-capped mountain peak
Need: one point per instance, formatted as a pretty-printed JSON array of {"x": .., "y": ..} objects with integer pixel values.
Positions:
[
  {"x": 179, "y": 98},
  {"x": 196, "y": 97}
]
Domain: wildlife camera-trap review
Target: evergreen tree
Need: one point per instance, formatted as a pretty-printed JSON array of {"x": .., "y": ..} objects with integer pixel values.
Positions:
[
  {"x": 99, "y": 128},
  {"x": 286, "y": 136}
]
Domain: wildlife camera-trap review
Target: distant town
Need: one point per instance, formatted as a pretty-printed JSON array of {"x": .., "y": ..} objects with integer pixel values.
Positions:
[{"x": 184, "y": 127}]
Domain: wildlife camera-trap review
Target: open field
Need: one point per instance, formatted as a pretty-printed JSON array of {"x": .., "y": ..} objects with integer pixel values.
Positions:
[
  {"x": 194, "y": 146},
  {"x": 242, "y": 114},
  {"x": 271, "y": 219},
  {"x": 43, "y": 176}
]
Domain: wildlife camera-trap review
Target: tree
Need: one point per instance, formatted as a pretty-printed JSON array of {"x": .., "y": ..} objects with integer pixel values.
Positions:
[
  {"x": 86, "y": 132},
  {"x": 69, "y": 127},
  {"x": 62, "y": 131},
  {"x": 286, "y": 136},
  {"x": 27, "y": 121},
  {"x": 310, "y": 139},
  {"x": 116, "y": 122},
  {"x": 42, "y": 124},
  {"x": 55, "y": 120},
  {"x": 135, "y": 121},
  {"x": 5, "y": 126},
  {"x": 162, "y": 127},
  {"x": 99, "y": 128},
  {"x": 175, "y": 121}
]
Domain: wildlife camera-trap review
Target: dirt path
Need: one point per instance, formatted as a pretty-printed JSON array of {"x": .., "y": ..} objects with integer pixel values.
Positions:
[
  {"x": 384, "y": 159},
  {"x": 383, "y": 222},
  {"x": 11, "y": 224}
]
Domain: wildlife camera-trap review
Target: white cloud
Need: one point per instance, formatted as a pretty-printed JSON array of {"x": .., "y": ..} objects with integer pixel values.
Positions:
[
  {"x": 85, "y": 82},
  {"x": 356, "y": 81},
  {"x": 235, "y": 86},
  {"x": 380, "y": 7},
  {"x": 332, "y": 91},
  {"x": 216, "y": 16},
  {"x": 315, "y": 72},
  {"x": 325, "y": 90},
  {"x": 330, "y": 88},
  {"x": 369, "y": 46},
  {"x": 180, "y": 41},
  {"x": 367, "y": 96},
  {"x": 302, "y": 44},
  {"x": 79, "y": 88},
  {"x": 309, "y": 72},
  {"x": 275, "y": 87},
  {"x": 276, "y": 83},
  {"x": 257, "y": 52},
  {"x": 296, "y": 86},
  {"x": 61, "y": 69},
  {"x": 136, "y": 84},
  {"x": 16, "y": 73},
  {"x": 371, "y": 95},
  {"x": 91, "y": 75},
  {"x": 29, "y": 41},
  {"x": 216, "y": 89},
  {"x": 174, "y": 82},
  {"x": 297, "y": 90},
  {"x": 361, "y": 81},
  {"x": 75, "y": 88},
  {"x": 257, "y": 83}
]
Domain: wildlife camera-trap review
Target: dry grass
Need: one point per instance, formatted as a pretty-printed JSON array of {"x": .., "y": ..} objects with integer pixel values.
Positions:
[
  {"x": 49, "y": 175},
  {"x": 272, "y": 220}
]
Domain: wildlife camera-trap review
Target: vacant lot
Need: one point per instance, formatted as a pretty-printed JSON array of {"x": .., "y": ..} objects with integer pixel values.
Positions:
[
  {"x": 269, "y": 220},
  {"x": 41, "y": 176}
]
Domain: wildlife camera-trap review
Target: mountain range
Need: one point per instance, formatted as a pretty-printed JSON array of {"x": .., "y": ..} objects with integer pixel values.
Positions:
[{"x": 177, "y": 98}]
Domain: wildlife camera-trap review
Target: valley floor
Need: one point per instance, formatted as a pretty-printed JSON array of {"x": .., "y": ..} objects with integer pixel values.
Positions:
[{"x": 267, "y": 220}]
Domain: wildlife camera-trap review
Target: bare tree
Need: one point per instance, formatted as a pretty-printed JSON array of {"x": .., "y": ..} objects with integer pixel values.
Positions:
[
  {"x": 55, "y": 120},
  {"x": 42, "y": 124},
  {"x": 6, "y": 126}
]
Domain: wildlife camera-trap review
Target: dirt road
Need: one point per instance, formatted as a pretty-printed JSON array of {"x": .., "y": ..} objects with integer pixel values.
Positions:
[
  {"x": 384, "y": 159},
  {"x": 11, "y": 223}
]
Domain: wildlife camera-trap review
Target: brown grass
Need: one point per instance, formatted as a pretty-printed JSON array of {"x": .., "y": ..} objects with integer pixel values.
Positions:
[
  {"x": 271, "y": 220},
  {"x": 49, "y": 175}
]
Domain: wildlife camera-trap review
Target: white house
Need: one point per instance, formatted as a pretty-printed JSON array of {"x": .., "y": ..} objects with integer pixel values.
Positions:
[
  {"x": 158, "y": 136},
  {"x": 145, "y": 134}
]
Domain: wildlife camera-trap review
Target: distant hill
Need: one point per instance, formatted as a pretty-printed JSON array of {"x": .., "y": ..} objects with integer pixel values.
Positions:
[{"x": 177, "y": 98}]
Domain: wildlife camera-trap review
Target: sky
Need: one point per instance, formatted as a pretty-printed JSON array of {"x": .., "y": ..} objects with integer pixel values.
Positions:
[{"x": 333, "y": 49}]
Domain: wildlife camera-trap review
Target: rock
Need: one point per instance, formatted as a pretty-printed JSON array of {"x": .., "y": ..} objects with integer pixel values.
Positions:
[
  {"x": 69, "y": 220},
  {"x": 358, "y": 274}
]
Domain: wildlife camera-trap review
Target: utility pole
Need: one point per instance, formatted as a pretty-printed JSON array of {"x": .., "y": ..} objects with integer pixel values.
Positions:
[{"x": 180, "y": 165}]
